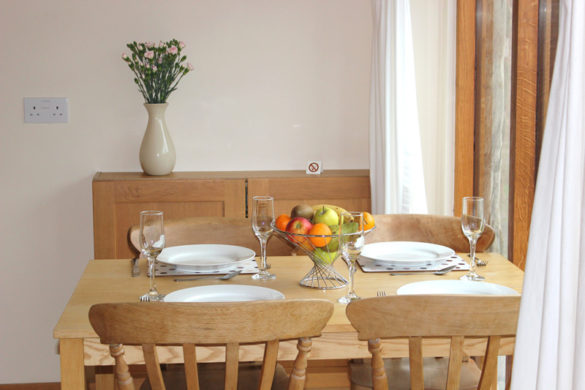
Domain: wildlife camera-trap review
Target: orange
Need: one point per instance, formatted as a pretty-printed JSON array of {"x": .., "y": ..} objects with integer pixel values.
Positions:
[
  {"x": 320, "y": 229},
  {"x": 282, "y": 221},
  {"x": 369, "y": 220}
]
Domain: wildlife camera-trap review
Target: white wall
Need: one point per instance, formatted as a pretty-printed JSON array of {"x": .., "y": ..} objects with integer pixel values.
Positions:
[{"x": 277, "y": 82}]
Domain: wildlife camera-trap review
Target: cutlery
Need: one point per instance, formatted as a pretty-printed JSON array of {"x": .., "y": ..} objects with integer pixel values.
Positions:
[
  {"x": 222, "y": 277},
  {"x": 479, "y": 262},
  {"x": 135, "y": 267},
  {"x": 381, "y": 293},
  {"x": 442, "y": 271}
]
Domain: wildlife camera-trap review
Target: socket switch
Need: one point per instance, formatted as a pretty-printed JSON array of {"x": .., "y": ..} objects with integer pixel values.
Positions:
[{"x": 46, "y": 110}]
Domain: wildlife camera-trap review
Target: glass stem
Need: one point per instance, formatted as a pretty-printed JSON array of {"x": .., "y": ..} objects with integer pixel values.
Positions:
[
  {"x": 351, "y": 273},
  {"x": 263, "y": 254},
  {"x": 152, "y": 290},
  {"x": 472, "y": 263}
]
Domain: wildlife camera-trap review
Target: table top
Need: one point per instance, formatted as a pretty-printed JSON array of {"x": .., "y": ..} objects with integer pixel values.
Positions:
[{"x": 111, "y": 281}]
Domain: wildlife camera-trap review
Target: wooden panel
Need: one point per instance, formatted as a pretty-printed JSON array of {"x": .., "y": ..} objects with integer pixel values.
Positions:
[
  {"x": 464, "y": 102},
  {"x": 523, "y": 142},
  {"x": 351, "y": 192},
  {"x": 119, "y": 197}
]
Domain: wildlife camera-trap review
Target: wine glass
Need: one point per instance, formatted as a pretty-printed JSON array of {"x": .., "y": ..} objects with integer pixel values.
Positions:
[
  {"x": 152, "y": 242},
  {"x": 472, "y": 224},
  {"x": 351, "y": 239},
  {"x": 262, "y": 221}
]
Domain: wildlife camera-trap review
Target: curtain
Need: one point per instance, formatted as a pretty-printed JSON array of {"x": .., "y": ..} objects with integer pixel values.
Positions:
[
  {"x": 550, "y": 345},
  {"x": 396, "y": 171}
]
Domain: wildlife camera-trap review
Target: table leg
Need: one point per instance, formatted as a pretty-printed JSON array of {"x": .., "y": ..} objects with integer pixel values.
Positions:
[{"x": 72, "y": 364}]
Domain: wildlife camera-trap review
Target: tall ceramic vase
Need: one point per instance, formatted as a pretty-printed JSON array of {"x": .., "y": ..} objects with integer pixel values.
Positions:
[{"x": 157, "y": 152}]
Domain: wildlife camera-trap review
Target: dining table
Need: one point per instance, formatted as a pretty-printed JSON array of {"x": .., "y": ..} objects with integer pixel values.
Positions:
[{"x": 112, "y": 281}]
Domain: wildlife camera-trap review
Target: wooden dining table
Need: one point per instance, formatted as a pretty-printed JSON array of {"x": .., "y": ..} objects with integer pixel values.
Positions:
[{"x": 111, "y": 281}]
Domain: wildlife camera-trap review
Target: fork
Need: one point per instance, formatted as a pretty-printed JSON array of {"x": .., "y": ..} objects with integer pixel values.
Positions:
[{"x": 381, "y": 293}]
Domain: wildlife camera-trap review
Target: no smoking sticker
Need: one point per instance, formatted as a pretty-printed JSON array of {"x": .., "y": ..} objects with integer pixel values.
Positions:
[{"x": 314, "y": 168}]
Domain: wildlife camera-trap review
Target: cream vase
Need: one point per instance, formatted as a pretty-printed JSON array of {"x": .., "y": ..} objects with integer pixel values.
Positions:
[{"x": 157, "y": 152}]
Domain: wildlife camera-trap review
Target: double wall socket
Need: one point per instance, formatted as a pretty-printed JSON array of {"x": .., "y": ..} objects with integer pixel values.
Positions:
[{"x": 46, "y": 110}]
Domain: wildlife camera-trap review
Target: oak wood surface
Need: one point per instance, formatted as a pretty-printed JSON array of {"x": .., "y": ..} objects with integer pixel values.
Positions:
[
  {"x": 464, "y": 102},
  {"x": 213, "y": 230},
  {"x": 118, "y": 197},
  {"x": 436, "y": 229},
  {"x": 420, "y": 316},
  {"x": 339, "y": 340},
  {"x": 224, "y": 323},
  {"x": 523, "y": 142}
]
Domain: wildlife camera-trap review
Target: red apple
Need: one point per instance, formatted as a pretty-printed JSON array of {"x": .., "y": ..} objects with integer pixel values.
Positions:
[{"x": 300, "y": 225}]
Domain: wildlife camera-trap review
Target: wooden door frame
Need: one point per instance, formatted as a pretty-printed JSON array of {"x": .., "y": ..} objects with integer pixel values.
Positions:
[{"x": 523, "y": 153}]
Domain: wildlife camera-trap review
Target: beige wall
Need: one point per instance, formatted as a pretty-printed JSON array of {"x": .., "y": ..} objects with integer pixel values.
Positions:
[{"x": 277, "y": 82}]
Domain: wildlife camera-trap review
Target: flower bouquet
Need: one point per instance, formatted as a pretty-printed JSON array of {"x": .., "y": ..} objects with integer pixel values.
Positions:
[{"x": 157, "y": 67}]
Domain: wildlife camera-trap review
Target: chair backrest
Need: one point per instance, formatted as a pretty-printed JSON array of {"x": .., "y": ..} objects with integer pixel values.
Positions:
[
  {"x": 213, "y": 230},
  {"x": 436, "y": 229},
  {"x": 418, "y": 316},
  {"x": 209, "y": 323}
]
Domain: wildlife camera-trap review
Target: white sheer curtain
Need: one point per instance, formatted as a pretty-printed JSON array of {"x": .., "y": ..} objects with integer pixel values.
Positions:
[
  {"x": 396, "y": 171},
  {"x": 550, "y": 346}
]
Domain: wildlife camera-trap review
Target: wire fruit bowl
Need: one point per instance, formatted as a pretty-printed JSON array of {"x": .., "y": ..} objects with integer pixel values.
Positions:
[{"x": 323, "y": 250}]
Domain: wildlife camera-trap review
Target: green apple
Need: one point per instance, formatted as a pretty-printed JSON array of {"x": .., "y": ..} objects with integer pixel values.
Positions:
[
  {"x": 324, "y": 256},
  {"x": 334, "y": 243},
  {"x": 326, "y": 215}
]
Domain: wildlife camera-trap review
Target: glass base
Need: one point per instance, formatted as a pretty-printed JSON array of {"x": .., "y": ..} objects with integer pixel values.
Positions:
[
  {"x": 152, "y": 297},
  {"x": 348, "y": 298},
  {"x": 263, "y": 275},
  {"x": 473, "y": 277}
]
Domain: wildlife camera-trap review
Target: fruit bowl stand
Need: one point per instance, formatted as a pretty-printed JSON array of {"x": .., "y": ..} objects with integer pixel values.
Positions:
[{"x": 322, "y": 276}]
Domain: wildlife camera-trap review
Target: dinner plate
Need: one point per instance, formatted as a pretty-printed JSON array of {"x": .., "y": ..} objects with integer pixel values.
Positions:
[
  {"x": 405, "y": 253},
  {"x": 205, "y": 257},
  {"x": 224, "y": 293},
  {"x": 458, "y": 287}
]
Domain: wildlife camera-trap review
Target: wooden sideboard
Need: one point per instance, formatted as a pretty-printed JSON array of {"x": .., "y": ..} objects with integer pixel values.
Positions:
[{"x": 118, "y": 197}]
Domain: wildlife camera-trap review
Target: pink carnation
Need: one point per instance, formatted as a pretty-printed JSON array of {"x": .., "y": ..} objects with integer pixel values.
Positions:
[
  {"x": 190, "y": 66},
  {"x": 182, "y": 44},
  {"x": 124, "y": 56},
  {"x": 149, "y": 54},
  {"x": 154, "y": 68},
  {"x": 173, "y": 50}
]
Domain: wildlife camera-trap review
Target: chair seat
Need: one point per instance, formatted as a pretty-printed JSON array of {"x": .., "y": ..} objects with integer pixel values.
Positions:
[
  {"x": 398, "y": 373},
  {"x": 211, "y": 377}
]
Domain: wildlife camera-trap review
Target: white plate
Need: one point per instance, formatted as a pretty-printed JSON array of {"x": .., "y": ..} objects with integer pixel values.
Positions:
[
  {"x": 205, "y": 257},
  {"x": 406, "y": 252},
  {"x": 458, "y": 287},
  {"x": 223, "y": 293}
]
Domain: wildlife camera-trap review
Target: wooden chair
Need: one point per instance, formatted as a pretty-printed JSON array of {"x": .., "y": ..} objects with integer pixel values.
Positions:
[
  {"x": 213, "y": 230},
  {"x": 208, "y": 323},
  {"x": 419, "y": 316},
  {"x": 436, "y": 229}
]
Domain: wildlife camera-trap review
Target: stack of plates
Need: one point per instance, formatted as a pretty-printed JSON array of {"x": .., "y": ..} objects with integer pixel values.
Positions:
[
  {"x": 203, "y": 258},
  {"x": 406, "y": 253}
]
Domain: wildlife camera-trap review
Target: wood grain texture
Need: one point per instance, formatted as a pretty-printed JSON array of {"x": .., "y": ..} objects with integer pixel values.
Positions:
[
  {"x": 339, "y": 339},
  {"x": 119, "y": 197},
  {"x": 223, "y": 323},
  {"x": 420, "y": 316},
  {"x": 464, "y": 102},
  {"x": 436, "y": 229},
  {"x": 213, "y": 230},
  {"x": 351, "y": 192},
  {"x": 523, "y": 142}
]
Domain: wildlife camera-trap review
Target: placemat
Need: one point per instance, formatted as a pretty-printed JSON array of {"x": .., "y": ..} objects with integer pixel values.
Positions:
[
  {"x": 162, "y": 269},
  {"x": 368, "y": 265}
]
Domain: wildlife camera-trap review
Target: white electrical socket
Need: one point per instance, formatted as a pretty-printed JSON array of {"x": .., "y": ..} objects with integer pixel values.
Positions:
[{"x": 46, "y": 110}]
